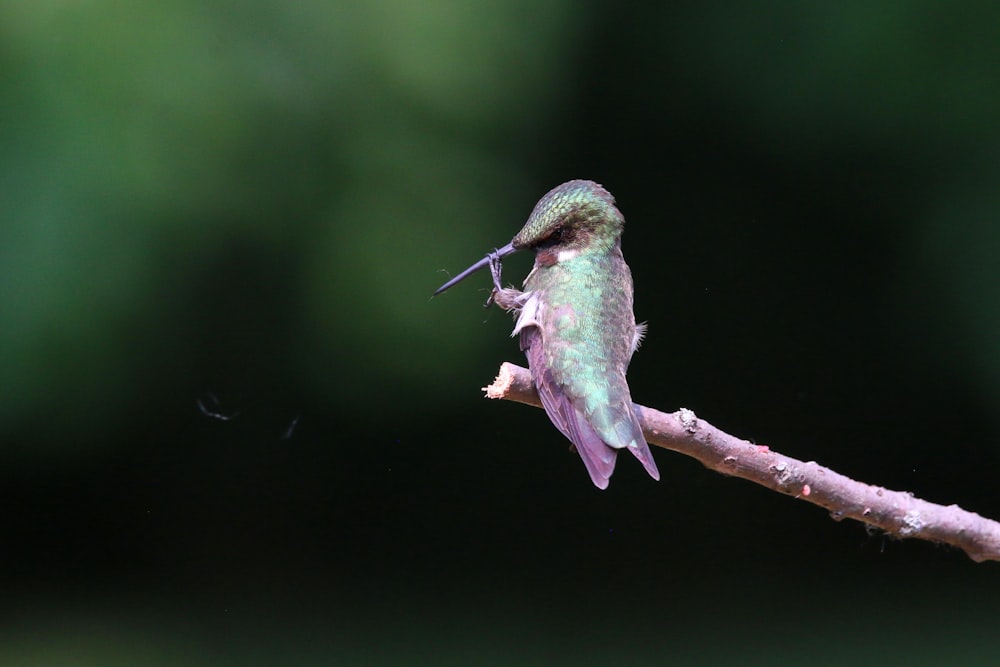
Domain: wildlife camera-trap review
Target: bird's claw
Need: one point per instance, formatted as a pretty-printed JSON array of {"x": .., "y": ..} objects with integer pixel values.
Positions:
[{"x": 496, "y": 268}]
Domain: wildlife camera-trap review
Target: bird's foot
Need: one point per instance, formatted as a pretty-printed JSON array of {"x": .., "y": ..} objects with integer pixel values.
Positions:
[
  {"x": 496, "y": 270},
  {"x": 507, "y": 298}
]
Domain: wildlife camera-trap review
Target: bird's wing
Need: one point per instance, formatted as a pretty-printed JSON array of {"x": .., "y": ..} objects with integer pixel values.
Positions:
[
  {"x": 560, "y": 405},
  {"x": 597, "y": 456}
]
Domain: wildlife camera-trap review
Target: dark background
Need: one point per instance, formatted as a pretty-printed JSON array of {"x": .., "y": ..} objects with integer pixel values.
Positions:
[{"x": 248, "y": 204}]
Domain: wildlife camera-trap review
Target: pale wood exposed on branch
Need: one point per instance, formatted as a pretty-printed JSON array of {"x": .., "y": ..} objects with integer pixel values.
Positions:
[{"x": 896, "y": 512}]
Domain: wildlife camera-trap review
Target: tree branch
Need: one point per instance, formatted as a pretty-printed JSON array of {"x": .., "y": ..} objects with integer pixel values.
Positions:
[{"x": 895, "y": 512}]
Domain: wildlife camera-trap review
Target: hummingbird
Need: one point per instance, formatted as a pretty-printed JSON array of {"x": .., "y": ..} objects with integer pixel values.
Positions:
[{"x": 575, "y": 322}]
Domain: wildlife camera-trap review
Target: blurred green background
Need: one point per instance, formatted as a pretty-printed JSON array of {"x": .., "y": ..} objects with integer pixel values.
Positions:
[{"x": 248, "y": 204}]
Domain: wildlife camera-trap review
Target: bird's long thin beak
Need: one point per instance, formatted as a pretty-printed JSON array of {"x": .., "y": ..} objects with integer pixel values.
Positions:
[{"x": 481, "y": 264}]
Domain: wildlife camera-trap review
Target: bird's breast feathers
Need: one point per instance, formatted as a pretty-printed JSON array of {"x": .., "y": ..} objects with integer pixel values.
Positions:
[{"x": 528, "y": 315}]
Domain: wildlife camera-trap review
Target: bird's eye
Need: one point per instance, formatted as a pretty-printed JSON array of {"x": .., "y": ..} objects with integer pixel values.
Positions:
[{"x": 556, "y": 235}]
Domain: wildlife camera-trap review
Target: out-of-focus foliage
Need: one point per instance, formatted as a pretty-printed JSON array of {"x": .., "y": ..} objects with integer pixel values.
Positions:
[
  {"x": 916, "y": 79},
  {"x": 142, "y": 141}
]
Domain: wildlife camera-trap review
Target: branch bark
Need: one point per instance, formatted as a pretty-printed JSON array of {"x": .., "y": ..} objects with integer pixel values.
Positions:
[{"x": 895, "y": 512}]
